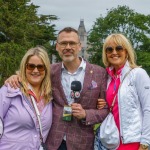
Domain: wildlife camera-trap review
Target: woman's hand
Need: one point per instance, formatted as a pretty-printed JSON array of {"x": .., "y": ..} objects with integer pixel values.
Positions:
[{"x": 101, "y": 103}]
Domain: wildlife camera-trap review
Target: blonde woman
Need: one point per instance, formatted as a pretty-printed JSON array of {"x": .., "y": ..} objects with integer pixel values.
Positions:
[
  {"x": 132, "y": 106},
  {"x": 21, "y": 126}
]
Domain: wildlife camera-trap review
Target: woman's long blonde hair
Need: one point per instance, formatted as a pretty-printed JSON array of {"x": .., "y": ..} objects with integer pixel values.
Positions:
[
  {"x": 121, "y": 40},
  {"x": 46, "y": 83}
]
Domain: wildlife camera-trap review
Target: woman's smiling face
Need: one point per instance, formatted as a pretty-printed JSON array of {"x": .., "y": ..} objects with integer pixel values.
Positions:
[
  {"x": 116, "y": 55},
  {"x": 35, "y": 76}
]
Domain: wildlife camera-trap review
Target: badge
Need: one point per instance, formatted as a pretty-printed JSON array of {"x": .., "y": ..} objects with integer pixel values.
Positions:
[{"x": 67, "y": 113}]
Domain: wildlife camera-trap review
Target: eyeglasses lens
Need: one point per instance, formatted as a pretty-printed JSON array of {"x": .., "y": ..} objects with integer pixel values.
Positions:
[
  {"x": 64, "y": 44},
  {"x": 33, "y": 66},
  {"x": 118, "y": 49}
]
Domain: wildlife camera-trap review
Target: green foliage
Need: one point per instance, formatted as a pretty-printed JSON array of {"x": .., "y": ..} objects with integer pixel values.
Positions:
[
  {"x": 95, "y": 127},
  {"x": 143, "y": 59},
  {"x": 121, "y": 20},
  {"x": 22, "y": 28},
  {"x": 10, "y": 60}
]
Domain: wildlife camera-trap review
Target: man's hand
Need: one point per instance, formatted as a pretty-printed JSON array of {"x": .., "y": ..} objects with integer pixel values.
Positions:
[
  {"x": 141, "y": 148},
  {"x": 13, "y": 81},
  {"x": 78, "y": 111},
  {"x": 101, "y": 103}
]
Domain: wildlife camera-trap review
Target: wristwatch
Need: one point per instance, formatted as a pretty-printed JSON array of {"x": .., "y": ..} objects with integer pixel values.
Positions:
[{"x": 144, "y": 146}]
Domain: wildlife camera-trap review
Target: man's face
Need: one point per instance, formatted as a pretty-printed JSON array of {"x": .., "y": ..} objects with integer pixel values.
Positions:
[{"x": 68, "y": 46}]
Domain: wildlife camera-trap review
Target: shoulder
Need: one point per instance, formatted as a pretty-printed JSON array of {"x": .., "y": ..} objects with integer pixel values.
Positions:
[
  {"x": 8, "y": 90},
  {"x": 95, "y": 67},
  {"x": 140, "y": 71},
  {"x": 140, "y": 74},
  {"x": 55, "y": 67},
  {"x": 3, "y": 89}
]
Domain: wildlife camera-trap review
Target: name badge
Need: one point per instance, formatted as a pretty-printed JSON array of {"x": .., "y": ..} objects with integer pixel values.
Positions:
[{"x": 67, "y": 113}]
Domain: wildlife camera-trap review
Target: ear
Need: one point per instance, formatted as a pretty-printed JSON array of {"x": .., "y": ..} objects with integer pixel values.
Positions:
[
  {"x": 56, "y": 46},
  {"x": 80, "y": 47}
]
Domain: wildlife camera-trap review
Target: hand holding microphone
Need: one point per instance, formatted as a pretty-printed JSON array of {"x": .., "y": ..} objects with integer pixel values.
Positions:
[{"x": 77, "y": 109}]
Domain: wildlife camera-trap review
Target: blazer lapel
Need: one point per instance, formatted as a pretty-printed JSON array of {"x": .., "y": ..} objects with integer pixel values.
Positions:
[
  {"x": 57, "y": 77},
  {"x": 88, "y": 78}
]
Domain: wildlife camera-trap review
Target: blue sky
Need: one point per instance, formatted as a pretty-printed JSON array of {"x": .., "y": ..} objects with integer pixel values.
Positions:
[{"x": 70, "y": 12}]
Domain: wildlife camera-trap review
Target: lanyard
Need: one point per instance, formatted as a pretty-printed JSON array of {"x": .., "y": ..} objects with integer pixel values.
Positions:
[{"x": 38, "y": 117}]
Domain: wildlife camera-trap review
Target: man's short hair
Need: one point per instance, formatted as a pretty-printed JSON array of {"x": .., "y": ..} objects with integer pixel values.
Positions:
[{"x": 68, "y": 29}]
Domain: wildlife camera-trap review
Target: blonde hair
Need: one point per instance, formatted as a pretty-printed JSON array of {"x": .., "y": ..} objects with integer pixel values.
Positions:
[
  {"x": 46, "y": 83},
  {"x": 121, "y": 40}
]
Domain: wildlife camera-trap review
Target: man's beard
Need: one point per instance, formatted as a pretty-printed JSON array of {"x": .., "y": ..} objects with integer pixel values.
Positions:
[{"x": 68, "y": 58}]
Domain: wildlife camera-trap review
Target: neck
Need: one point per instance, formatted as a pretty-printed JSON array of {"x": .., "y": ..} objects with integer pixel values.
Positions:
[
  {"x": 37, "y": 91},
  {"x": 115, "y": 70},
  {"x": 72, "y": 66}
]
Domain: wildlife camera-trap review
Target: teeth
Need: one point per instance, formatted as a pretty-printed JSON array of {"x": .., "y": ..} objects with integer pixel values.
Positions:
[
  {"x": 115, "y": 57},
  {"x": 35, "y": 75}
]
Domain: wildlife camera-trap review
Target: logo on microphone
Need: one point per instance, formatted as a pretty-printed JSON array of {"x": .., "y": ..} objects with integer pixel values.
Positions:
[{"x": 75, "y": 89}]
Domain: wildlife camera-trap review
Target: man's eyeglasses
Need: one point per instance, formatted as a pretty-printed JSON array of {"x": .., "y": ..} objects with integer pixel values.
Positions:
[
  {"x": 71, "y": 44},
  {"x": 40, "y": 67},
  {"x": 118, "y": 49}
]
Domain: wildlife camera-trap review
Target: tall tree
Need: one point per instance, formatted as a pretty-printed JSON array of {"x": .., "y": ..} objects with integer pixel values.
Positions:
[
  {"x": 121, "y": 20},
  {"x": 22, "y": 28}
]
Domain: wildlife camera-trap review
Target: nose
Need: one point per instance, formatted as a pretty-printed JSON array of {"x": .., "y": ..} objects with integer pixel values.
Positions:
[
  {"x": 35, "y": 69},
  {"x": 68, "y": 46},
  {"x": 114, "y": 51}
]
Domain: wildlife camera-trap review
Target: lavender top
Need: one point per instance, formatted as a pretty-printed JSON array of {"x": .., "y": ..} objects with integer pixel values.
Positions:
[{"x": 21, "y": 128}]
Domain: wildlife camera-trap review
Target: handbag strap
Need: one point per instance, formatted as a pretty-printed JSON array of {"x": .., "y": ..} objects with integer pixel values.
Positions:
[
  {"x": 38, "y": 117},
  {"x": 113, "y": 103}
]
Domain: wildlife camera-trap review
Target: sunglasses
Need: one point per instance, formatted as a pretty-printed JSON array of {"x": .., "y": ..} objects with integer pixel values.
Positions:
[
  {"x": 40, "y": 67},
  {"x": 118, "y": 49}
]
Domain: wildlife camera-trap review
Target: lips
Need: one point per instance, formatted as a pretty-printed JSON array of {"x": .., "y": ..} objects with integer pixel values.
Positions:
[
  {"x": 68, "y": 51},
  {"x": 115, "y": 56},
  {"x": 35, "y": 75}
]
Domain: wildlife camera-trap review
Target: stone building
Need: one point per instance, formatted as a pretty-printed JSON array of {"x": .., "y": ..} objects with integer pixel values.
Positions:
[{"x": 83, "y": 38}]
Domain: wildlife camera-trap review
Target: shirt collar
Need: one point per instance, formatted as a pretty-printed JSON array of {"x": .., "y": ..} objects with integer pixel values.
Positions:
[
  {"x": 81, "y": 67},
  {"x": 111, "y": 71},
  {"x": 31, "y": 92}
]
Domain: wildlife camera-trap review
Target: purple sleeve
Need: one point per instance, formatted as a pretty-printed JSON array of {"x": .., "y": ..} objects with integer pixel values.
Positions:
[{"x": 4, "y": 102}]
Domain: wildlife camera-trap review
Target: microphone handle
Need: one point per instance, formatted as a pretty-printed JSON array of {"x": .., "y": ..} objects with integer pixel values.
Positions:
[{"x": 76, "y": 100}]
